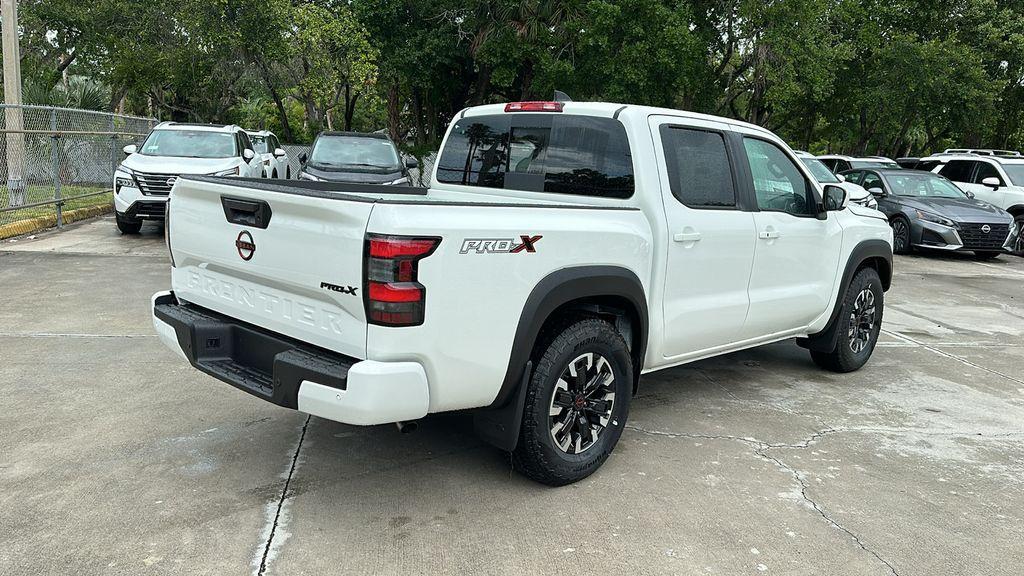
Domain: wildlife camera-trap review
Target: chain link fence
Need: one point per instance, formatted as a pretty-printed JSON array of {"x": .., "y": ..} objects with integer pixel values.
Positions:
[{"x": 57, "y": 159}]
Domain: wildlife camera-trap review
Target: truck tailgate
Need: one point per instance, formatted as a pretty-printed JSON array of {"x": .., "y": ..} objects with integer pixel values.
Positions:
[{"x": 290, "y": 263}]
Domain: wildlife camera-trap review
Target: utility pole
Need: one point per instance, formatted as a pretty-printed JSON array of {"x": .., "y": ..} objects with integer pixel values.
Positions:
[{"x": 13, "y": 120}]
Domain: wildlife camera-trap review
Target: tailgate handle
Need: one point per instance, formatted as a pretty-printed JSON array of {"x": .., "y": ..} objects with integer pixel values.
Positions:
[{"x": 254, "y": 213}]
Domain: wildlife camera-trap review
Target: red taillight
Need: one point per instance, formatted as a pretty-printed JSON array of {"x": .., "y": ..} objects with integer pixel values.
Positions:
[
  {"x": 393, "y": 297},
  {"x": 534, "y": 106}
]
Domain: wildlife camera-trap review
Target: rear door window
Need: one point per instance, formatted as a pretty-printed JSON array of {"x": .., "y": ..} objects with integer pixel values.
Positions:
[
  {"x": 556, "y": 153},
  {"x": 958, "y": 170},
  {"x": 699, "y": 171},
  {"x": 986, "y": 170}
]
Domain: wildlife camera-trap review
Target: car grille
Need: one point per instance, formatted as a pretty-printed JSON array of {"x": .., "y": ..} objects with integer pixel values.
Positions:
[
  {"x": 155, "y": 184},
  {"x": 974, "y": 237}
]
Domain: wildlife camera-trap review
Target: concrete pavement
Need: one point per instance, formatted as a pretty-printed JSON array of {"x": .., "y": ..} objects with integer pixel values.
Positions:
[{"x": 116, "y": 458}]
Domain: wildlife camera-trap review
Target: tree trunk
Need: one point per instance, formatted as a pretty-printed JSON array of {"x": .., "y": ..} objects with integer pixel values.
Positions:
[
  {"x": 350, "y": 106},
  {"x": 286, "y": 129},
  {"x": 394, "y": 112}
]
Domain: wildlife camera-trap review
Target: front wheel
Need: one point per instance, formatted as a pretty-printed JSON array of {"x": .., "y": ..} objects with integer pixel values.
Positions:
[
  {"x": 127, "y": 225},
  {"x": 860, "y": 320},
  {"x": 576, "y": 404},
  {"x": 900, "y": 235}
]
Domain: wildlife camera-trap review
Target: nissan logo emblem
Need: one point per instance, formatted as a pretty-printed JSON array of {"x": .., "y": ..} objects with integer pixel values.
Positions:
[
  {"x": 171, "y": 181},
  {"x": 986, "y": 228},
  {"x": 245, "y": 245}
]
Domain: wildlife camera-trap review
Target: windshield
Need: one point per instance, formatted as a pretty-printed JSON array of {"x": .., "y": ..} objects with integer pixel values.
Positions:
[
  {"x": 820, "y": 172},
  {"x": 259, "y": 144},
  {"x": 190, "y": 144},
  {"x": 1015, "y": 172},
  {"x": 923, "y": 185},
  {"x": 354, "y": 151}
]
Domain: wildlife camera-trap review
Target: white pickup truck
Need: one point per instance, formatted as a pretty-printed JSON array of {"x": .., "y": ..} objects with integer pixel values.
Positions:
[{"x": 564, "y": 249}]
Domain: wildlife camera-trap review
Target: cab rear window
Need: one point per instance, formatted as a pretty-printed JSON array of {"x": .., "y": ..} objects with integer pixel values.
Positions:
[{"x": 556, "y": 153}]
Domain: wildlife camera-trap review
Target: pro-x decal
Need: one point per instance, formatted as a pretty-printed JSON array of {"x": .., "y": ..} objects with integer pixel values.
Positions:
[
  {"x": 525, "y": 243},
  {"x": 335, "y": 288}
]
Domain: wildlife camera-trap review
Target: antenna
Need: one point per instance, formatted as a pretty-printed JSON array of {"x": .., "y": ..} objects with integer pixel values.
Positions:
[{"x": 561, "y": 96}]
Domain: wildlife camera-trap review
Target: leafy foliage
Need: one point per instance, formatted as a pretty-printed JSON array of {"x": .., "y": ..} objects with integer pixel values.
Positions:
[{"x": 893, "y": 77}]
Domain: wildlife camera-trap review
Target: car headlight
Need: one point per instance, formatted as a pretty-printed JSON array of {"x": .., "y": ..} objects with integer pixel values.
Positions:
[
  {"x": 310, "y": 177},
  {"x": 125, "y": 169},
  {"x": 929, "y": 217},
  {"x": 402, "y": 180},
  {"x": 120, "y": 182},
  {"x": 231, "y": 172}
]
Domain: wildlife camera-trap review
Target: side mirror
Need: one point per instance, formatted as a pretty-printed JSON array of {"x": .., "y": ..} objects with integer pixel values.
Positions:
[
  {"x": 412, "y": 163},
  {"x": 969, "y": 194},
  {"x": 279, "y": 152},
  {"x": 992, "y": 182},
  {"x": 841, "y": 177},
  {"x": 836, "y": 198},
  {"x": 248, "y": 154},
  {"x": 303, "y": 157},
  {"x": 876, "y": 191},
  {"x": 130, "y": 149}
]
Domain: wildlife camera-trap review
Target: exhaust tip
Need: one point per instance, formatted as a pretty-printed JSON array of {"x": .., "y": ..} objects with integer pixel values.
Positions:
[{"x": 406, "y": 427}]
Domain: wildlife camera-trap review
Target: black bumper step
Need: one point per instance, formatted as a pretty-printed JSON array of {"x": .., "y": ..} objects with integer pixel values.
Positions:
[{"x": 258, "y": 361}]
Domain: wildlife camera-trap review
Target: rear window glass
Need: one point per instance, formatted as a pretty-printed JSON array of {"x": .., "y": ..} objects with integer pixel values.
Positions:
[
  {"x": 958, "y": 170},
  {"x": 557, "y": 153},
  {"x": 698, "y": 165}
]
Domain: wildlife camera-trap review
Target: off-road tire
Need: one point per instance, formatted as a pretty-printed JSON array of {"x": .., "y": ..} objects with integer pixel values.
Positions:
[
  {"x": 844, "y": 358},
  {"x": 127, "y": 225},
  {"x": 537, "y": 455}
]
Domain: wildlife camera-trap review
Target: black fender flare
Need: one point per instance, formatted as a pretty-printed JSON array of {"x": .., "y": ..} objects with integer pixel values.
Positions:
[
  {"x": 499, "y": 423},
  {"x": 878, "y": 250},
  {"x": 1016, "y": 210}
]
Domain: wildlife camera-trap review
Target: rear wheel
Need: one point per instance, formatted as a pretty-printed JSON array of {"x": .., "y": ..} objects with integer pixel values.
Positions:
[
  {"x": 576, "y": 404},
  {"x": 127, "y": 225},
  {"x": 900, "y": 235},
  {"x": 860, "y": 320}
]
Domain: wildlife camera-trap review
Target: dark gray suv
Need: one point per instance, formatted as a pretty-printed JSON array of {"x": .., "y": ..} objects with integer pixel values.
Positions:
[{"x": 928, "y": 211}]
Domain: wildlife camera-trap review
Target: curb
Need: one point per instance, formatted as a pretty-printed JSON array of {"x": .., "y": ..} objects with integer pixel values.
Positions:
[{"x": 36, "y": 224}]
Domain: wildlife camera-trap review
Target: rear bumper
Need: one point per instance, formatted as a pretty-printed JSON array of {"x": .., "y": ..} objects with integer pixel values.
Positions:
[{"x": 290, "y": 373}]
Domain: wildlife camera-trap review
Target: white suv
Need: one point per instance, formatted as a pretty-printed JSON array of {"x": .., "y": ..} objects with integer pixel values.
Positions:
[
  {"x": 840, "y": 163},
  {"x": 143, "y": 181},
  {"x": 995, "y": 179},
  {"x": 274, "y": 158}
]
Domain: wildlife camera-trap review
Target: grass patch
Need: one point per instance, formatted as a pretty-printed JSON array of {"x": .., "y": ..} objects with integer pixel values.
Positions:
[{"x": 44, "y": 193}]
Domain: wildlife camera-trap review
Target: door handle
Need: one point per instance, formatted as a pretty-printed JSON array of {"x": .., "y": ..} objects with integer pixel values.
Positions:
[
  {"x": 769, "y": 234},
  {"x": 687, "y": 237}
]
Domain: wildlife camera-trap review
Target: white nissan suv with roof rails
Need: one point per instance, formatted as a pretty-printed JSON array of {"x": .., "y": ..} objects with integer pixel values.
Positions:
[
  {"x": 996, "y": 178},
  {"x": 143, "y": 180},
  {"x": 564, "y": 249}
]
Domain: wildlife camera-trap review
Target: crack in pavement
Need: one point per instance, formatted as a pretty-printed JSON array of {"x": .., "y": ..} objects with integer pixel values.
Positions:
[
  {"x": 760, "y": 449},
  {"x": 280, "y": 503},
  {"x": 960, "y": 359}
]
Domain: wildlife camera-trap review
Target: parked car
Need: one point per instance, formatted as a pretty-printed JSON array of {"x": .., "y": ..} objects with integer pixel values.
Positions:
[
  {"x": 355, "y": 157},
  {"x": 564, "y": 249},
  {"x": 982, "y": 151},
  {"x": 838, "y": 163},
  {"x": 928, "y": 211},
  {"x": 272, "y": 155},
  {"x": 997, "y": 179},
  {"x": 144, "y": 178},
  {"x": 823, "y": 175}
]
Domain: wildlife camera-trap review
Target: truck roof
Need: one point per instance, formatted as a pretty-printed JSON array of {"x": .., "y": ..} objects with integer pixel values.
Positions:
[{"x": 617, "y": 110}]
